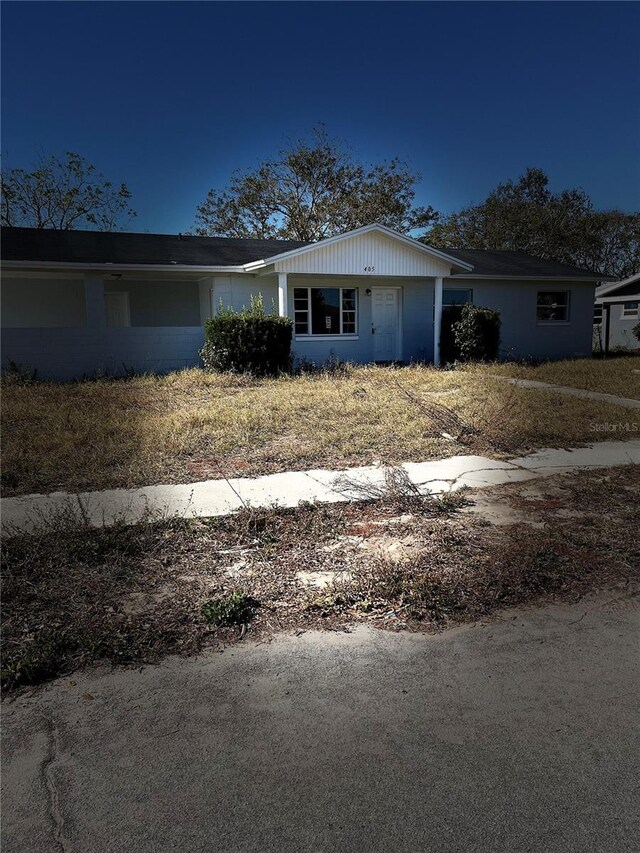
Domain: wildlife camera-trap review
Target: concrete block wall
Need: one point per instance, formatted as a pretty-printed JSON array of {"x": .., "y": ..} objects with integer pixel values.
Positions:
[{"x": 71, "y": 353}]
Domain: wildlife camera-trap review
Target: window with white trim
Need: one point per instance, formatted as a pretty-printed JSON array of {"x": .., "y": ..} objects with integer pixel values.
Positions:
[
  {"x": 630, "y": 310},
  {"x": 553, "y": 306},
  {"x": 452, "y": 297},
  {"x": 597, "y": 315},
  {"x": 325, "y": 310}
]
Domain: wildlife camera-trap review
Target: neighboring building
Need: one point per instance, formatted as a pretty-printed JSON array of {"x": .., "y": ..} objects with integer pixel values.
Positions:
[
  {"x": 79, "y": 302},
  {"x": 617, "y": 312}
]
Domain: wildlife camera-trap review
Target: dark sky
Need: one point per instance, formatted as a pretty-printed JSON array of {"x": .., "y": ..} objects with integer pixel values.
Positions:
[{"x": 171, "y": 97}]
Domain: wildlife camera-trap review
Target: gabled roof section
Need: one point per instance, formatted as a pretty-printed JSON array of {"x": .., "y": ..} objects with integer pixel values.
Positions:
[
  {"x": 409, "y": 242},
  {"x": 615, "y": 286}
]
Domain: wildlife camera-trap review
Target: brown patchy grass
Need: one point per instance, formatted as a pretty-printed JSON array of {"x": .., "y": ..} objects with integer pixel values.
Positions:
[
  {"x": 192, "y": 425},
  {"x": 135, "y": 594},
  {"x": 618, "y": 375}
]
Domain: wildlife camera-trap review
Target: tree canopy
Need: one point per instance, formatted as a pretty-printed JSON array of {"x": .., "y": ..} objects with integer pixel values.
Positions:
[
  {"x": 311, "y": 190},
  {"x": 525, "y": 216},
  {"x": 63, "y": 192}
]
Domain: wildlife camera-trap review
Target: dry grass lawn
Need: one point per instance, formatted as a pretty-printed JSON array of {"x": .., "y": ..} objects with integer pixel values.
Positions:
[
  {"x": 619, "y": 375},
  {"x": 192, "y": 425}
]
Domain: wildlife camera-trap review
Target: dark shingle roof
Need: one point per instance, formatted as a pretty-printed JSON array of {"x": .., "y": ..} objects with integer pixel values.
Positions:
[
  {"x": 487, "y": 262},
  {"x": 98, "y": 247}
]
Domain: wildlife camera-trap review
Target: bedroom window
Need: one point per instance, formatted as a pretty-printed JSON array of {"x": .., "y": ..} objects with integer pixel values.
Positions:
[
  {"x": 630, "y": 310},
  {"x": 553, "y": 306},
  {"x": 325, "y": 310},
  {"x": 456, "y": 297}
]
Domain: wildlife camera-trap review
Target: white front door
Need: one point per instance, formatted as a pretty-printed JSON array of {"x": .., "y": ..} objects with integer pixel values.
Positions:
[{"x": 385, "y": 324}]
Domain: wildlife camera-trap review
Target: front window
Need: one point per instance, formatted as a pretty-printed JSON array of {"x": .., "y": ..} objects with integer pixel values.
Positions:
[
  {"x": 325, "y": 310},
  {"x": 553, "y": 306},
  {"x": 456, "y": 297},
  {"x": 630, "y": 310}
]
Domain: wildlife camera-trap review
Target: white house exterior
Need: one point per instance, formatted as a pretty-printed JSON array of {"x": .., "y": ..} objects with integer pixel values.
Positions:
[
  {"x": 617, "y": 312},
  {"x": 79, "y": 303}
]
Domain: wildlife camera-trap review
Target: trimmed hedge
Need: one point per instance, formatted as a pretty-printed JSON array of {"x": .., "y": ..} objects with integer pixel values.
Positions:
[
  {"x": 469, "y": 333},
  {"x": 248, "y": 341}
]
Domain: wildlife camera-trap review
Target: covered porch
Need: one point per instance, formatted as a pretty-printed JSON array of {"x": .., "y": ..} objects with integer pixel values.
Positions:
[
  {"x": 370, "y": 296},
  {"x": 363, "y": 319}
]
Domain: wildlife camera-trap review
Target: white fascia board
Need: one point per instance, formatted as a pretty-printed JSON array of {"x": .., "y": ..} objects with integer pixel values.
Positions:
[
  {"x": 617, "y": 300},
  {"x": 108, "y": 268},
  {"x": 549, "y": 278},
  {"x": 381, "y": 229}
]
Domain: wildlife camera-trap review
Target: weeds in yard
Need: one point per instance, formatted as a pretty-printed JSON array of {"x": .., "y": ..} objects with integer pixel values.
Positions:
[
  {"x": 191, "y": 425},
  {"x": 619, "y": 375},
  {"x": 72, "y": 596},
  {"x": 237, "y": 608},
  {"x": 398, "y": 490},
  {"x": 19, "y": 374}
]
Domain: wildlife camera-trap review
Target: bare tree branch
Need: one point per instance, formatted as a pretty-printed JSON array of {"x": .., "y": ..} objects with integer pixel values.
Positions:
[
  {"x": 64, "y": 193},
  {"x": 312, "y": 190}
]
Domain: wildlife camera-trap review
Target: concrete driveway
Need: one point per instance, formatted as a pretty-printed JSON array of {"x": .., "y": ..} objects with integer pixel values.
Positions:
[{"x": 518, "y": 735}]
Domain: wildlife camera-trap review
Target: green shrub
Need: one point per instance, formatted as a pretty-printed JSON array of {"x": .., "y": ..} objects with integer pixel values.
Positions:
[
  {"x": 474, "y": 335},
  {"x": 248, "y": 341},
  {"x": 234, "y": 609},
  {"x": 636, "y": 331}
]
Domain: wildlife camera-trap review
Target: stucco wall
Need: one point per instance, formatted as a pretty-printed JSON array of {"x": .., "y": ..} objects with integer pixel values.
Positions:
[
  {"x": 621, "y": 328},
  {"x": 417, "y": 321},
  {"x": 521, "y": 334},
  {"x": 42, "y": 302},
  {"x": 236, "y": 290}
]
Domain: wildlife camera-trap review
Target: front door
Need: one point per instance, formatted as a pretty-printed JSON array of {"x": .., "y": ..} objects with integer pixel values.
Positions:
[{"x": 385, "y": 324}]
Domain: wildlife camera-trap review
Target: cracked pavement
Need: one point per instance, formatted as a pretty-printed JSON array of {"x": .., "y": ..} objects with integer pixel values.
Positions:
[
  {"x": 514, "y": 735},
  {"x": 288, "y": 489}
]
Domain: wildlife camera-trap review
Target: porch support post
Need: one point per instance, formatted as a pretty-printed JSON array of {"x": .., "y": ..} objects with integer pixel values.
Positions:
[
  {"x": 282, "y": 295},
  {"x": 437, "y": 321}
]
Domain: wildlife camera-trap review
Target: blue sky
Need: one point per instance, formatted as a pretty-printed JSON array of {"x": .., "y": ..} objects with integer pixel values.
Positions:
[{"x": 171, "y": 97}]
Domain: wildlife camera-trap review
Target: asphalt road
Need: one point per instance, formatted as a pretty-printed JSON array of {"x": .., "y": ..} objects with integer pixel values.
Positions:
[{"x": 519, "y": 735}]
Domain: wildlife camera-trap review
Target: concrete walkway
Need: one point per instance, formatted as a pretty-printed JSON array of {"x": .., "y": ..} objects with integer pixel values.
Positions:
[
  {"x": 624, "y": 402},
  {"x": 223, "y": 497}
]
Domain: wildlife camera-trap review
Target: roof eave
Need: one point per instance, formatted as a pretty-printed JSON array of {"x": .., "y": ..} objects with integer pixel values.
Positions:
[
  {"x": 531, "y": 277},
  {"x": 111, "y": 267},
  {"x": 618, "y": 285}
]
